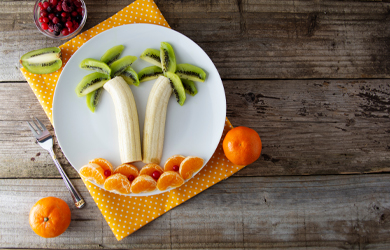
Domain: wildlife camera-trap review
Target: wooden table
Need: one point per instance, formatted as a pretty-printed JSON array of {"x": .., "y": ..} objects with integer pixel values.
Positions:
[{"x": 311, "y": 77}]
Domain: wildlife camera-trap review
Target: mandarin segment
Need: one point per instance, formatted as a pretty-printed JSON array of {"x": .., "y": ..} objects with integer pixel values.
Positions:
[
  {"x": 118, "y": 182},
  {"x": 143, "y": 184},
  {"x": 172, "y": 161},
  {"x": 189, "y": 166},
  {"x": 149, "y": 169},
  {"x": 105, "y": 164},
  {"x": 127, "y": 170},
  {"x": 169, "y": 179},
  {"x": 93, "y": 172}
]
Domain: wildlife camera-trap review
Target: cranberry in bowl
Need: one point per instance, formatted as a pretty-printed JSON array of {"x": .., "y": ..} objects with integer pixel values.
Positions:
[{"x": 60, "y": 19}]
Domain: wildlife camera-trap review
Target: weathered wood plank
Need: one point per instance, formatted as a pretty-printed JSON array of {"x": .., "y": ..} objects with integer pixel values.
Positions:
[
  {"x": 344, "y": 212},
  {"x": 308, "y": 127},
  {"x": 249, "y": 39}
]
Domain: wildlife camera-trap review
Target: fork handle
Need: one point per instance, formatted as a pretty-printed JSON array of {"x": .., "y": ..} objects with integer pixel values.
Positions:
[{"x": 77, "y": 199}]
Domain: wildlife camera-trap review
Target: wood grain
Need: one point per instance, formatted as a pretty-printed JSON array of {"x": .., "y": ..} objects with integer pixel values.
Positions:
[
  {"x": 308, "y": 127},
  {"x": 250, "y": 39},
  {"x": 343, "y": 212}
]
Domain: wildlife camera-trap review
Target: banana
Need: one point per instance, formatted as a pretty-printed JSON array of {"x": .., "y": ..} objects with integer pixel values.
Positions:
[
  {"x": 154, "y": 127},
  {"x": 127, "y": 119}
]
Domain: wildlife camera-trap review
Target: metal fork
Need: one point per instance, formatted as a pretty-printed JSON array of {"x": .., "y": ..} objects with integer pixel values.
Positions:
[{"x": 45, "y": 140}]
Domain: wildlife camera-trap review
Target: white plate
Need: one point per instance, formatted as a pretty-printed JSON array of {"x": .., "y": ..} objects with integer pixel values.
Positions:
[{"x": 192, "y": 129}]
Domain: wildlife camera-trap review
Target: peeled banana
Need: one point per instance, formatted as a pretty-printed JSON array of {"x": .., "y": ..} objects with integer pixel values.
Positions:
[
  {"x": 127, "y": 119},
  {"x": 154, "y": 126}
]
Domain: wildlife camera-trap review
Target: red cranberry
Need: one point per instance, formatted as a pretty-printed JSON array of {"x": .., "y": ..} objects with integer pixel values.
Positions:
[
  {"x": 75, "y": 25},
  {"x": 45, "y": 5},
  {"x": 45, "y": 19},
  {"x": 55, "y": 20},
  {"x": 43, "y": 13},
  {"x": 59, "y": 7},
  {"x": 175, "y": 168},
  {"x": 106, "y": 172},
  {"x": 64, "y": 14},
  {"x": 69, "y": 24},
  {"x": 131, "y": 178},
  {"x": 71, "y": 30},
  {"x": 80, "y": 10},
  {"x": 41, "y": 8},
  {"x": 40, "y": 19},
  {"x": 74, "y": 13},
  {"x": 156, "y": 175},
  {"x": 65, "y": 32},
  {"x": 51, "y": 16},
  {"x": 40, "y": 4},
  {"x": 50, "y": 30},
  {"x": 53, "y": 2},
  {"x": 44, "y": 26}
]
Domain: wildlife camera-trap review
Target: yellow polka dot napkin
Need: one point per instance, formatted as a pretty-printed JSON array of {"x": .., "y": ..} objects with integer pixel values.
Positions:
[{"x": 126, "y": 214}]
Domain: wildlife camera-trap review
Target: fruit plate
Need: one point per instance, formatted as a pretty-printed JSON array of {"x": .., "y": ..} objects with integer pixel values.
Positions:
[{"x": 192, "y": 129}]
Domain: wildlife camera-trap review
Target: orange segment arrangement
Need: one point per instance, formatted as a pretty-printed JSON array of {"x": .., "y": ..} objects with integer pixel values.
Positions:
[
  {"x": 143, "y": 184},
  {"x": 128, "y": 170},
  {"x": 118, "y": 182},
  {"x": 126, "y": 178},
  {"x": 172, "y": 162},
  {"x": 105, "y": 164},
  {"x": 169, "y": 179},
  {"x": 149, "y": 169},
  {"x": 93, "y": 172},
  {"x": 189, "y": 166}
]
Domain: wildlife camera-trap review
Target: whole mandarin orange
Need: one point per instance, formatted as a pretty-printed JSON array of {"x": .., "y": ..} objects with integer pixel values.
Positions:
[
  {"x": 49, "y": 217},
  {"x": 242, "y": 145}
]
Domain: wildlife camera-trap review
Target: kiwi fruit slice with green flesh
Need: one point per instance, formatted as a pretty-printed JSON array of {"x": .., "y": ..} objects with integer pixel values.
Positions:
[
  {"x": 130, "y": 76},
  {"x": 149, "y": 73},
  {"x": 42, "y": 61},
  {"x": 189, "y": 87},
  {"x": 190, "y": 72},
  {"x": 93, "y": 99},
  {"x": 95, "y": 65},
  {"x": 112, "y": 54},
  {"x": 151, "y": 56},
  {"x": 90, "y": 83},
  {"x": 168, "y": 59},
  {"x": 121, "y": 65},
  {"x": 177, "y": 87}
]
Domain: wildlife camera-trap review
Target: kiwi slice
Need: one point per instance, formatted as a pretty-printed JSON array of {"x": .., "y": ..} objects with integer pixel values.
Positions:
[
  {"x": 189, "y": 87},
  {"x": 42, "y": 61},
  {"x": 190, "y": 72},
  {"x": 177, "y": 87},
  {"x": 121, "y": 65},
  {"x": 112, "y": 54},
  {"x": 90, "y": 83},
  {"x": 149, "y": 73},
  {"x": 93, "y": 99},
  {"x": 95, "y": 65},
  {"x": 152, "y": 56},
  {"x": 168, "y": 59},
  {"x": 130, "y": 76}
]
